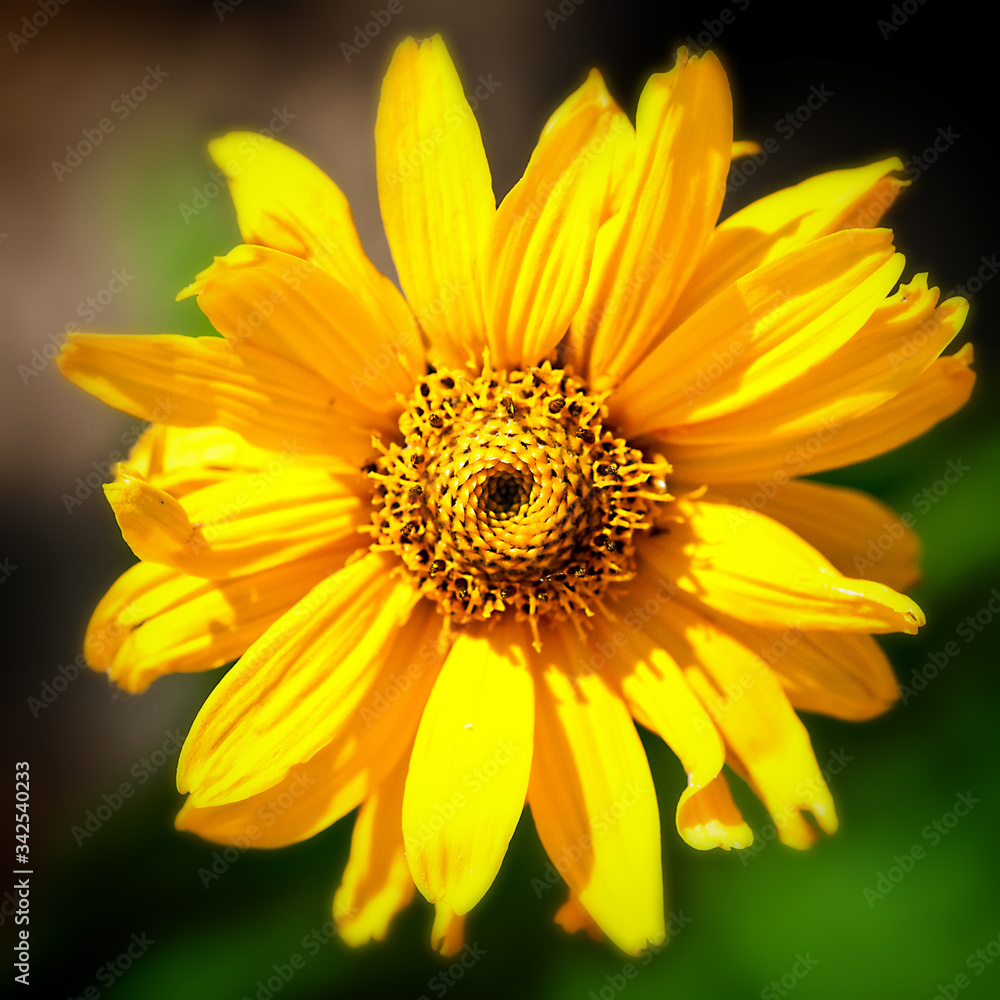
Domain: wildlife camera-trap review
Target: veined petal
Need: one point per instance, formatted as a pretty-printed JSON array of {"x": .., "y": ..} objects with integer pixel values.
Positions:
[
  {"x": 469, "y": 768},
  {"x": 244, "y": 524},
  {"x": 156, "y": 620},
  {"x": 284, "y": 201},
  {"x": 541, "y": 242},
  {"x": 296, "y": 686},
  {"x": 368, "y": 744},
  {"x": 744, "y": 564},
  {"x": 833, "y": 673},
  {"x": 294, "y": 309},
  {"x": 653, "y": 686},
  {"x": 592, "y": 797},
  {"x": 859, "y": 535},
  {"x": 769, "y": 327},
  {"x": 941, "y": 390},
  {"x": 707, "y": 817},
  {"x": 648, "y": 250},
  {"x": 899, "y": 342},
  {"x": 201, "y": 381},
  {"x": 749, "y": 707},
  {"x": 436, "y": 194},
  {"x": 376, "y": 883},
  {"x": 780, "y": 223},
  {"x": 179, "y": 460}
]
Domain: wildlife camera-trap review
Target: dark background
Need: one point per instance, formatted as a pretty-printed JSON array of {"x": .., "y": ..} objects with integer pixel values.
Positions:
[{"x": 752, "y": 917}]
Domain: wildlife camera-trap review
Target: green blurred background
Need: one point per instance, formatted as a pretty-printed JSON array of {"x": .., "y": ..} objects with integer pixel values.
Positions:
[{"x": 762, "y": 923}]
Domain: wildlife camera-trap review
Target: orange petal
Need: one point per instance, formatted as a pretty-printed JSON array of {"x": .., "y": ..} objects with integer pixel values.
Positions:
[
  {"x": 376, "y": 883},
  {"x": 592, "y": 797}
]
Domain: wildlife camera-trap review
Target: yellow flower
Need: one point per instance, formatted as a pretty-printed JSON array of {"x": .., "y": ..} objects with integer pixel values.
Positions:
[{"x": 460, "y": 540}]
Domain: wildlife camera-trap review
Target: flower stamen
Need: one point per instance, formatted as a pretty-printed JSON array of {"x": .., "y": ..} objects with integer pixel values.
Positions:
[{"x": 508, "y": 492}]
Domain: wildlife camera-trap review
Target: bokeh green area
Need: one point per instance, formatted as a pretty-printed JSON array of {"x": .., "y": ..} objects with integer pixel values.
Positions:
[
  {"x": 224, "y": 925},
  {"x": 861, "y": 914}
]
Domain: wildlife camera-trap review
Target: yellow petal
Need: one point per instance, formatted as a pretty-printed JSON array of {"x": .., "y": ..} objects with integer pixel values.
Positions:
[
  {"x": 859, "y": 535},
  {"x": 178, "y": 460},
  {"x": 469, "y": 769},
  {"x": 541, "y": 242},
  {"x": 761, "y": 332},
  {"x": 436, "y": 194},
  {"x": 780, "y": 223},
  {"x": 295, "y": 686},
  {"x": 646, "y": 252},
  {"x": 743, "y": 147},
  {"x": 941, "y": 390},
  {"x": 244, "y": 524},
  {"x": 898, "y": 343},
  {"x": 592, "y": 797},
  {"x": 448, "y": 932},
  {"x": 750, "y": 708},
  {"x": 156, "y": 620},
  {"x": 744, "y": 564},
  {"x": 708, "y": 817},
  {"x": 376, "y": 883},
  {"x": 267, "y": 299},
  {"x": 652, "y": 684},
  {"x": 368, "y": 744},
  {"x": 286, "y": 202},
  {"x": 201, "y": 381}
]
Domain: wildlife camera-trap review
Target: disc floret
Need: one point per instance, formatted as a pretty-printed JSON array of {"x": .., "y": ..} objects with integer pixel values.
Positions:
[{"x": 510, "y": 493}]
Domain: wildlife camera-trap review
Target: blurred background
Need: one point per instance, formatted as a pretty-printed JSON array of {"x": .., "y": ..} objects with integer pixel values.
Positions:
[{"x": 103, "y": 241}]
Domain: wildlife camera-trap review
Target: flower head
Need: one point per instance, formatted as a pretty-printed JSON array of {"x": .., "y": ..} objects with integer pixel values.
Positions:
[{"x": 460, "y": 539}]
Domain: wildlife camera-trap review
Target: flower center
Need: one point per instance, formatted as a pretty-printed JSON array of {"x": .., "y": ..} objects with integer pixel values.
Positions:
[{"x": 509, "y": 493}]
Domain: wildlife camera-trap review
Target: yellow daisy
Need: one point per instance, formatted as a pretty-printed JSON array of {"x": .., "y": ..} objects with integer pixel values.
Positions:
[{"x": 460, "y": 540}]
